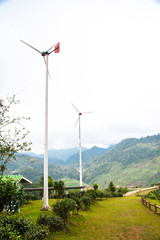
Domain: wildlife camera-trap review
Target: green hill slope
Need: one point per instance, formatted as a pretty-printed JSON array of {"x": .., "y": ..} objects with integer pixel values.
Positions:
[
  {"x": 88, "y": 155},
  {"x": 133, "y": 161},
  {"x": 32, "y": 168}
]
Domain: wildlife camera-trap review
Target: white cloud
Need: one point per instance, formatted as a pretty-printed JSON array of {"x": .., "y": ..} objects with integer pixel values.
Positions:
[{"x": 109, "y": 63}]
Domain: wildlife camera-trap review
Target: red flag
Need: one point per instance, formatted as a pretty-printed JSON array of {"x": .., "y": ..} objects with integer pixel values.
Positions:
[{"x": 57, "y": 48}]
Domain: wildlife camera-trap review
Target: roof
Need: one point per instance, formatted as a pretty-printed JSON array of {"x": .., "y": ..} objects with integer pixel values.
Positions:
[{"x": 16, "y": 178}]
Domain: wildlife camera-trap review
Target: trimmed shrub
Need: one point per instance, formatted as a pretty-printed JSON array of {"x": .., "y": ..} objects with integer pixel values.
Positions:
[
  {"x": 78, "y": 203},
  {"x": 91, "y": 193},
  {"x": 64, "y": 207},
  {"x": 54, "y": 223},
  {"x": 20, "y": 228},
  {"x": 107, "y": 194},
  {"x": 87, "y": 201},
  {"x": 99, "y": 194},
  {"x": 95, "y": 186}
]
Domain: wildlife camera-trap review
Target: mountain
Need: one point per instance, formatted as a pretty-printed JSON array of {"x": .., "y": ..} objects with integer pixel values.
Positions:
[
  {"x": 132, "y": 161},
  {"x": 57, "y": 155},
  {"x": 32, "y": 168},
  {"x": 88, "y": 155}
]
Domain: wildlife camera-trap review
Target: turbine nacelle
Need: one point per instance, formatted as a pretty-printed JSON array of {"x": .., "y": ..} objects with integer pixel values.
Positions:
[{"x": 44, "y": 54}]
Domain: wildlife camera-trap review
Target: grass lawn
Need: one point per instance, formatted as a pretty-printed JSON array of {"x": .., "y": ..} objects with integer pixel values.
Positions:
[
  {"x": 110, "y": 219},
  {"x": 33, "y": 209}
]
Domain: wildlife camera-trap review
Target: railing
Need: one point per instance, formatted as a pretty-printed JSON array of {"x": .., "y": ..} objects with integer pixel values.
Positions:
[
  {"x": 51, "y": 188},
  {"x": 152, "y": 207}
]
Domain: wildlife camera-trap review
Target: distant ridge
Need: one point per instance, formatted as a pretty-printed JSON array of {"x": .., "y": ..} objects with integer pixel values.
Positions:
[
  {"x": 88, "y": 155},
  {"x": 131, "y": 162}
]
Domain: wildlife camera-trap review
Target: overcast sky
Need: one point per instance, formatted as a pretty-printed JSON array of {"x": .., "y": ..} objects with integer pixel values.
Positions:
[{"x": 109, "y": 63}]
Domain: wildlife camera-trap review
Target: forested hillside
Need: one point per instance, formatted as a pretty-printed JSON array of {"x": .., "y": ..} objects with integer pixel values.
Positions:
[
  {"x": 88, "y": 155},
  {"x": 131, "y": 162}
]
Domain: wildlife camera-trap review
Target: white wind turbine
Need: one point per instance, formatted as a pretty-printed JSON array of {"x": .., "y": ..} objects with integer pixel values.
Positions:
[
  {"x": 80, "y": 148},
  {"x": 45, "y": 56}
]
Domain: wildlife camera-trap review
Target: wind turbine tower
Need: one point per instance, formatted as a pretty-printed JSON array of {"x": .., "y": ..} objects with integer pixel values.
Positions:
[
  {"x": 80, "y": 147},
  {"x": 45, "y": 56}
]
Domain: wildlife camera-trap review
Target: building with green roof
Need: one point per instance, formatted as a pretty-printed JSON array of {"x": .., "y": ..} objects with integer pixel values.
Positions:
[{"x": 18, "y": 179}]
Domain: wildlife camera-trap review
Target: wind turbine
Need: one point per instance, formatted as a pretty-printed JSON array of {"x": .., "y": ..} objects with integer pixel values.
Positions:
[
  {"x": 80, "y": 148},
  {"x": 45, "y": 56}
]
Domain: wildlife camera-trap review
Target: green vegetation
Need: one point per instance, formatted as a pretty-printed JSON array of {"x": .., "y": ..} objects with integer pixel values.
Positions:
[
  {"x": 112, "y": 218},
  {"x": 11, "y": 197},
  {"x": 154, "y": 195},
  {"x": 20, "y": 228},
  {"x": 131, "y": 162},
  {"x": 12, "y": 133}
]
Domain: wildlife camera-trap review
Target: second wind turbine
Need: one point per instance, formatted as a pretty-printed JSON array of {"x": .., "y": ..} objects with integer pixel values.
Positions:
[{"x": 80, "y": 147}]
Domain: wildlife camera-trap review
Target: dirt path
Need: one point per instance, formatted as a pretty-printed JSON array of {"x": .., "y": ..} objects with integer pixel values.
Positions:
[{"x": 138, "y": 191}]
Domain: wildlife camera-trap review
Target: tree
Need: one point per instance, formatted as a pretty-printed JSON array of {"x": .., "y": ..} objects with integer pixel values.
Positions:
[
  {"x": 112, "y": 187},
  {"x": 95, "y": 186},
  {"x": 50, "y": 181},
  {"x": 11, "y": 197},
  {"x": 12, "y": 133},
  {"x": 59, "y": 188}
]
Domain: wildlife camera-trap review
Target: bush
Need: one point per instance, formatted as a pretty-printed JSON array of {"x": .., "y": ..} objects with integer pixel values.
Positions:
[
  {"x": 64, "y": 207},
  {"x": 95, "y": 186},
  {"x": 99, "y": 194},
  {"x": 78, "y": 203},
  {"x": 91, "y": 193},
  {"x": 117, "y": 194},
  {"x": 54, "y": 223},
  {"x": 123, "y": 190},
  {"x": 20, "y": 228},
  {"x": 7, "y": 232},
  {"x": 59, "y": 188},
  {"x": 87, "y": 201},
  {"x": 35, "y": 233},
  {"x": 111, "y": 187},
  {"x": 107, "y": 194},
  {"x": 11, "y": 198},
  {"x": 31, "y": 197},
  {"x": 73, "y": 194}
]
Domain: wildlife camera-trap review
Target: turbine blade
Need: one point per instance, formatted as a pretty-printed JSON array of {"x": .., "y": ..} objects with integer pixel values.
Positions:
[
  {"x": 87, "y": 112},
  {"x": 31, "y": 46},
  {"x": 51, "y": 48},
  {"x": 77, "y": 121},
  {"x": 75, "y": 108},
  {"x": 48, "y": 71}
]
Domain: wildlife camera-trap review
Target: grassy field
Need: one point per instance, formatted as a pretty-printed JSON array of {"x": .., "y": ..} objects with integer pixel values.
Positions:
[{"x": 110, "y": 219}]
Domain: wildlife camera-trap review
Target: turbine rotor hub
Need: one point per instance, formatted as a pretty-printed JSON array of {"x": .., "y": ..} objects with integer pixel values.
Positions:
[{"x": 44, "y": 53}]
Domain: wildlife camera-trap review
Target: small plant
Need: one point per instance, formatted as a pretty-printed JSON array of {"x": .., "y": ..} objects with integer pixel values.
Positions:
[
  {"x": 64, "y": 207},
  {"x": 112, "y": 187},
  {"x": 20, "y": 228},
  {"x": 59, "y": 188},
  {"x": 95, "y": 186},
  {"x": 54, "y": 223},
  {"x": 87, "y": 201},
  {"x": 78, "y": 204},
  {"x": 99, "y": 194}
]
